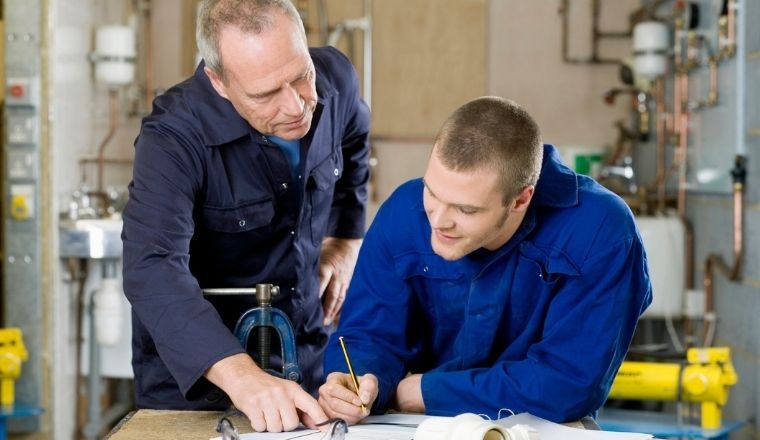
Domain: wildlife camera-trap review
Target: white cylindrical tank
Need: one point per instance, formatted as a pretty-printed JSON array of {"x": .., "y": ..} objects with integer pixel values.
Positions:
[
  {"x": 663, "y": 239},
  {"x": 650, "y": 48},
  {"x": 114, "y": 55}
]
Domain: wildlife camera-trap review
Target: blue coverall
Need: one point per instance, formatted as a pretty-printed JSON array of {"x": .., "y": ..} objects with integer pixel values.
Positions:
[
  {"x": 213, "y": 204},
  {"x": 539, "y": 325}
]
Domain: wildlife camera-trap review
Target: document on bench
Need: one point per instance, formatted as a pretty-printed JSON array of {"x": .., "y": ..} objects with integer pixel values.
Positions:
[
  {"x": 554, "y": 431},
  {"x": 403, "y": 426},
  {"x": 364, "y": 431}
]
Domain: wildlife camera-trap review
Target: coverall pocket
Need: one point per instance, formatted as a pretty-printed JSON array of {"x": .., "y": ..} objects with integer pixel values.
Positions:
[
  {"x": 538, "y": 276},
  {"x": 440, "y": 287},
  {"x": 321, "y": 188},
  {"x": 242, "y": 218},
  {"x": 548, "y": 264}
]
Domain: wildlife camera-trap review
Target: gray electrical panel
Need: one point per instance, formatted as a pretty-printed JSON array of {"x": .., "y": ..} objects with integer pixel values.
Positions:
[{"x": 22, "y": 292}]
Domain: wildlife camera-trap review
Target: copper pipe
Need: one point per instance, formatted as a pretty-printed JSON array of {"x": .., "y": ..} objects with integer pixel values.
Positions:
[
  {"x": 683, "y": 141},
  {"x": 732, "y": 26},
  {"x": 712, "y": 97},
  {"x": 106, "y": 160},
  {"x": 681, "y": 202},
  {"x": 682, "y": 83},
  {"x": 659, "y": 96},
  {"x": 714, "y": 260},
  {"x": 113, "y": 96},
  {"x": 403, "y": 139},
  {"x": 677, "y": 106},
  {"x": 738, "y": 231}
]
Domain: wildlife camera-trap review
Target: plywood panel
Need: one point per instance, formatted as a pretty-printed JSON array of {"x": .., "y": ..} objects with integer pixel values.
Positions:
[
  {"x": 2, "y": 57},
  {"x": 429, "y": 57}
]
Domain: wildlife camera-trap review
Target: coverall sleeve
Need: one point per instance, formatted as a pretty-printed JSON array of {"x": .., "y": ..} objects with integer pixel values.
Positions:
[
  {"x": 568, "y": 373},
  {"x": 158, "y": 224},
  {"x": 374, "y": 319},
  {"x": 348, "y": 212}
]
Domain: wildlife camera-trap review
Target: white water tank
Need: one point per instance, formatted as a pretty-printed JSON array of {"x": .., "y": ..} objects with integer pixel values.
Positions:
[
  {"x": 664, "y": 244},
  {"x": 114, "y": 57},
  {"x": 651, "y": 42}
]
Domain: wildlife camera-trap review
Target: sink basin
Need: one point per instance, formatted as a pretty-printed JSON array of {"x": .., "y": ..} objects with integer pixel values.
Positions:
[{"x": 90, "y": 238}]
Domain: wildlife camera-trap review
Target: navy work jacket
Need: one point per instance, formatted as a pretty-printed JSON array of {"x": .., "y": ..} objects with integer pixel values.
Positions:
[
  {"x": 539, "y": 325},
  {"x": 213, "y": 204}
]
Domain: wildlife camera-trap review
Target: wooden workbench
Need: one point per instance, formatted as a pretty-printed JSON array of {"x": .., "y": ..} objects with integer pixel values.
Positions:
[{"x": 152, "y": 424}]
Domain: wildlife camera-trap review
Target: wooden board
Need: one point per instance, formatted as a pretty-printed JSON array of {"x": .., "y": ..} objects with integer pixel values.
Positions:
[
  {"x": 429, "y": 57},
  {"x": 150, "y": 424}
]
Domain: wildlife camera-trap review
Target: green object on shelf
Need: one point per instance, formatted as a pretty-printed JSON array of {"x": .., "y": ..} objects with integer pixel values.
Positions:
[{"x": 587, "y": 163}]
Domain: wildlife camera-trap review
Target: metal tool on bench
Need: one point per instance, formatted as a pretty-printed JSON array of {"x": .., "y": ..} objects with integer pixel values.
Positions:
[{"x": 264, "y": 319}]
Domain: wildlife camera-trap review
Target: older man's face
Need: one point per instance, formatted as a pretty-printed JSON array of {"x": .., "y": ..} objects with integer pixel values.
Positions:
[{"x": 269, "y": 78}]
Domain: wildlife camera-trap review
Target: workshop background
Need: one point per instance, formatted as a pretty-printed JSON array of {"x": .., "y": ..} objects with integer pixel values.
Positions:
[{"x": 666, "y": 114}]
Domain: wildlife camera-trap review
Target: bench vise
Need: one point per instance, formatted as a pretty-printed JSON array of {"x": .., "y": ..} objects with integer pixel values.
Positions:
[{"x": 264, "y": 319}]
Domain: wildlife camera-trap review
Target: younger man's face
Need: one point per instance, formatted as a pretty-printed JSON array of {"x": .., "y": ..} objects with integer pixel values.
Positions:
[{"x": 465, "y": 210}]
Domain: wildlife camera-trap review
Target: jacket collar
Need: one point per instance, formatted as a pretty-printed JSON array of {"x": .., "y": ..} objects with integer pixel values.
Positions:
[
  {"x": 221, "y": 122},
  {"x": 557, "y": 184},
  {"x": 557, "y": 187}
]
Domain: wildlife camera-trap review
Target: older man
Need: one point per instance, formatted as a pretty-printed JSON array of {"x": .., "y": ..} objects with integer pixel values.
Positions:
[{"x": 253, "y": 170}]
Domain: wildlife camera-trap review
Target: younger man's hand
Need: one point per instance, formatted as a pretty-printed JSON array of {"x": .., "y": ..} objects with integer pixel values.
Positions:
[{"x": 339, "y": 400}]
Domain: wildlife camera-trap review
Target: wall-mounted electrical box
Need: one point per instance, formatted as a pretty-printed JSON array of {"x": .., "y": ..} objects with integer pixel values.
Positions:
[{"x": 22, "y": 289}]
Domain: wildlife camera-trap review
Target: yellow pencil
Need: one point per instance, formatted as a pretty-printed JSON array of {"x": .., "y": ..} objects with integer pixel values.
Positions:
[{"x": 351, "y": 371}]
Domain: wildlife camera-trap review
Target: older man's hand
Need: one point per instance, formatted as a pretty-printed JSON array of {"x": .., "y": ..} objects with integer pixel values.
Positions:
[{"x": 336, "y": 266}]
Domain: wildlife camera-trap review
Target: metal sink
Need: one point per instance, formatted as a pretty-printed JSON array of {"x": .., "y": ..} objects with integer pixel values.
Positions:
[{"x": 90, "y": 238}]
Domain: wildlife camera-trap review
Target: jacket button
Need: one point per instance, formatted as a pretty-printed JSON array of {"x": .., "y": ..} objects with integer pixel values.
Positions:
[
  {"x": 292, "y": 232},
  {"x": 336, "y": 171},
  {"x": 425, "y": 269},
  {"x": 284, "y": 185},
  {"x": 241, "y": 223}
]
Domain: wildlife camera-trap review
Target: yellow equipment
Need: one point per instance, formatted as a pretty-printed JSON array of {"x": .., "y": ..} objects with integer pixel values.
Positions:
[
  {"x": 12, "y": 353},
  {"x": 705, "y": 378}
]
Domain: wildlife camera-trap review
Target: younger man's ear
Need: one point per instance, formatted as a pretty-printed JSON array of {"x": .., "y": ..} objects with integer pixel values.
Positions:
[{"x": 522, "y": 200}]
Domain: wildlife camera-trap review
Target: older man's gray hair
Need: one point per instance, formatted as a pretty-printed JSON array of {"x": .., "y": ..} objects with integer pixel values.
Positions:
[{"x": 252, "y": 16}]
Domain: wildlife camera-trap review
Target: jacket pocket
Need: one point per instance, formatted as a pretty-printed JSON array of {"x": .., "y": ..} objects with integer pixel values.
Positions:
[
  {"x": 427, "y": 266},
  {"x": 539, "y": 275},
  {"x": 242, "y": 218},
  {"x": 321, "y": 189},
  {"x": 550, "y": 265},
  {"x": 440, "y": 288}
]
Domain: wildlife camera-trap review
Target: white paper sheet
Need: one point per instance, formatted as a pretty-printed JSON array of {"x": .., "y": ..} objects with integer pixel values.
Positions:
[
  {"x": 554, "y": 431},
  {"x": 357, "y": 432},
  {"x": 402, "y": 427}
]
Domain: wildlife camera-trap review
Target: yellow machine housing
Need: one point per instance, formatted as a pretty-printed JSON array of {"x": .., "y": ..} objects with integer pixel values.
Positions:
[
  {"x": 705, "y": 378},
  {"x": 12, "y": 353}
]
